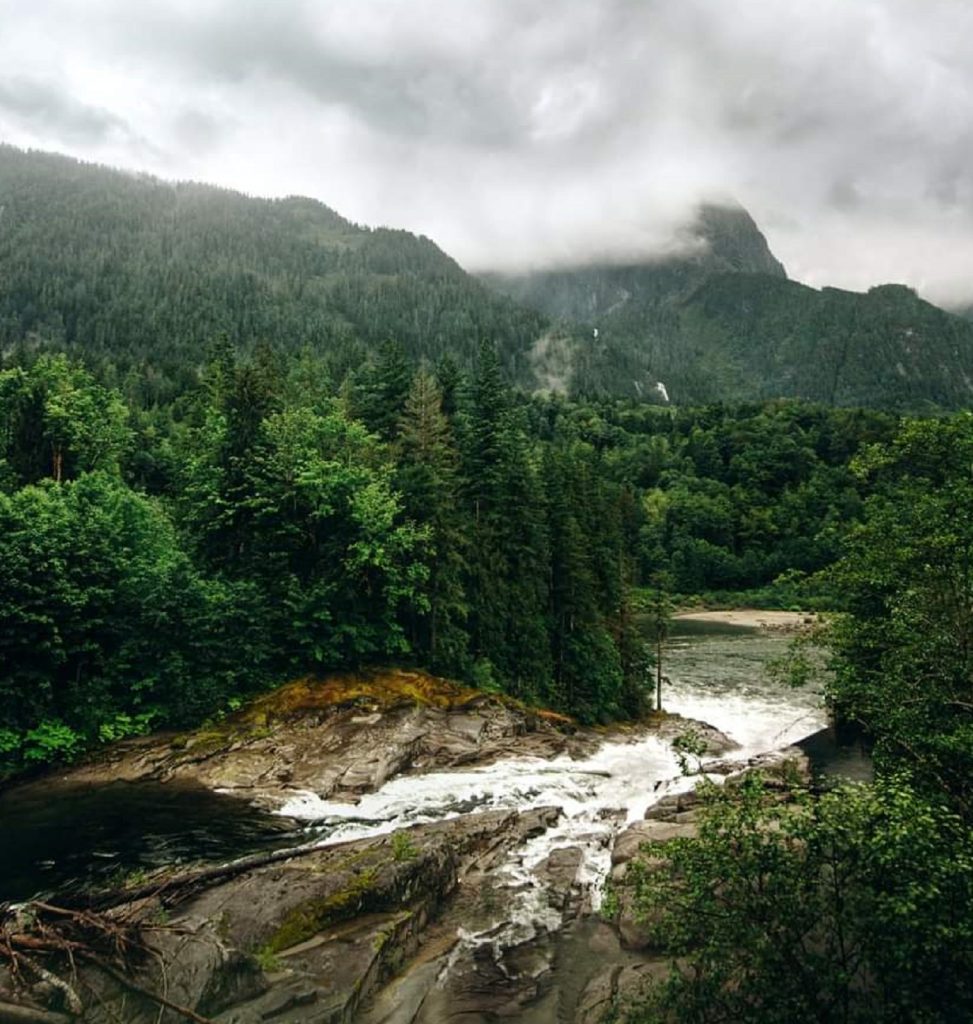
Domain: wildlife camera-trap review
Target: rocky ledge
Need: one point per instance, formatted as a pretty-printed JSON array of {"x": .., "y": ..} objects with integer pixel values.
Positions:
[
  {"x": 456, "y": 920},
  {"x": 345, "y": 735},
  {"x": 305, "y": 939},
  {"x": 342, "y": 736}
]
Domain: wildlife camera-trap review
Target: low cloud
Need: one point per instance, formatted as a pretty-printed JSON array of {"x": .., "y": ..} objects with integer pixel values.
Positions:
[
  {"x": 520, "y": 133},
  {"x": 48, "y": 110}
]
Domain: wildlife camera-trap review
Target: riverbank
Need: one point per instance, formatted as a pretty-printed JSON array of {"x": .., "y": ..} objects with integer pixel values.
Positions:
[
  {"x": 343, "y": 736},
  {"x": 478, "y": 884},
  {"x": 308, "y": 756},
  {"x": 481, "y": 916},
  {"x": 752, "y": 618}
]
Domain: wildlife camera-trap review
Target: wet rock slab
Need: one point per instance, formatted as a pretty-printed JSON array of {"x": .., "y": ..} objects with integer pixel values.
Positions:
[
  {"x": 469, "y": 926},
  {"x": 308, "y": 939}
]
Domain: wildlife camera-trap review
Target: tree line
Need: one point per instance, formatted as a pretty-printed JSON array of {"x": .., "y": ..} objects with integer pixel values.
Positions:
[{"x": 152, "y": 574}]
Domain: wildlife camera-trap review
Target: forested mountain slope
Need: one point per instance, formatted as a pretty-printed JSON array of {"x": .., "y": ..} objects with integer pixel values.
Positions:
[
  {"x": 144, "y": 275},
  {"x": 723, "y": 239},
  {"x": 724, "y": 323},
  {"x": 142, "y": 278}
]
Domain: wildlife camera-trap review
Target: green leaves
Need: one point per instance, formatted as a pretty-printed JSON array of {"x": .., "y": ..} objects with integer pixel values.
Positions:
[
  {"x": 56, "y": 422},
  {"x": 853, "y": 907},
  {"x": 903, "y": 655},
  {"x": 104, "y": 625}
]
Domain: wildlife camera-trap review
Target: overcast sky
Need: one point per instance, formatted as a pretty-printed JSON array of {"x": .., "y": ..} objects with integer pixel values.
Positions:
[{"x": 518, "y": 132}]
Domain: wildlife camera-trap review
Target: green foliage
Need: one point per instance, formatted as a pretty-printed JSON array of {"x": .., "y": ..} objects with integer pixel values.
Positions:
[
  {"x": 489, "y": 538},
  {"x": 689, "y": 744},
  {"x": 403, "y": 848},
  {"x": 50, "y": 741},
  {"x": 267, "y": 959},
  {"x": 610, "y": 905},
  {"x": 56, "y": 422},
  {"x": 105, "y": 627},
  {"x": 852, "y": 907},
  {"x": 175, "y": 537},
  {"x": 123, "y": 725},
  {"x": 141, "y": 275},
  {"x": 719, "y": 510},
  {"x": 904, "y": 650},
  {"x": 856, "y": 905}
]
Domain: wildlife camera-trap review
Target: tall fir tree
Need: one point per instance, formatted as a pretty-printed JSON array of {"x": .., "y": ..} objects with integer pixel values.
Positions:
[{"x": 428, "y": 479}]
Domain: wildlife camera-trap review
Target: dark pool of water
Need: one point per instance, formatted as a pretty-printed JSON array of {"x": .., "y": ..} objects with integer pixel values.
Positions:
[
  {"x": 56, "y": 837},
  {"x": 838, "y": 756}
]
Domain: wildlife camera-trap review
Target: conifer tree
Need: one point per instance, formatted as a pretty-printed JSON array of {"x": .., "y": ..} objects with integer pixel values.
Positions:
[
  {"x": 429, "y": 482},
  {"x": 383, "y": 389}
]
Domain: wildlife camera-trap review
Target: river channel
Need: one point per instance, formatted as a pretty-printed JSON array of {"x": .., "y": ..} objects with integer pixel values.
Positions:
[{"x": 55, "y": 836}]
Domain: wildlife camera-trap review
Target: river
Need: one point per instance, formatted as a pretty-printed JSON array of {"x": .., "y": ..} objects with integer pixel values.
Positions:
[
  {"x": 56, "y": 837},
  {"x": 718, "y": 675}
]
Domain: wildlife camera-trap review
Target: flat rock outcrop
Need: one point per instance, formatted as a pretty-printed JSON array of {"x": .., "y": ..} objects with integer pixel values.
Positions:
[{"x": 343, "y": 736}]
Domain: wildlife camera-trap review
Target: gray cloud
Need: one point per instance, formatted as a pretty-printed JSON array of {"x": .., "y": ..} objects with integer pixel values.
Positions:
[
  {"x": 47, "y": 108},
  {"x": 521, "y": 132}
]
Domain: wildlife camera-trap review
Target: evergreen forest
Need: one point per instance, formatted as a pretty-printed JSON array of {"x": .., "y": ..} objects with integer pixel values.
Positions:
[
  {"x": 163, "y": 562},
  {"x": 245, "y": 441}
]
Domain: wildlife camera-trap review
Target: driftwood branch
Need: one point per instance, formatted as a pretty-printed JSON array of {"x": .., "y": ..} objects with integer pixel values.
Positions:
[
  {"x": 17, "y": 1013},
  {"x": 171, "y": 889},
  {"x": 78, "y": 935},
  {"x": 71, "y": 1001}
]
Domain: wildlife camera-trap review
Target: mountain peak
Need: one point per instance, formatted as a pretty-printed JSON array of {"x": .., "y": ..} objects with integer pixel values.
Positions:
[
  {"x": 733, "y": 241},
  {"x": 721, "y": 238}
]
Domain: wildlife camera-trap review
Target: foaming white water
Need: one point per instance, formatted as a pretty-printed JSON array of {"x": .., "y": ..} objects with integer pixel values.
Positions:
[
  {"x": 713, "y": 681},
  {"x": 620, "y": 775},
  {"x": 723, "y": 680},
  {"x": 758, "y": 721}
]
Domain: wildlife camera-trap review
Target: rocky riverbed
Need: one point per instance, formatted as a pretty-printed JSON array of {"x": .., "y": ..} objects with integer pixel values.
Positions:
[{"x": 455, "y": 849}]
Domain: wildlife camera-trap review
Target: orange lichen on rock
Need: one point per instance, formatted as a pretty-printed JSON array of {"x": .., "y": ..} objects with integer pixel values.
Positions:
[
  {"x": 556, "y": 719},
  {"x": 372, "y": 690}
]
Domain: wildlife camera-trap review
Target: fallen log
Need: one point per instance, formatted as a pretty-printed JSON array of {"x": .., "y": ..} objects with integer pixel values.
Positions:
[{"x": 180, "y": 886}]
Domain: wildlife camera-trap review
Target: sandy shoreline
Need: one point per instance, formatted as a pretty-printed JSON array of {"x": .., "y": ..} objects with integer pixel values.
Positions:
[{"x": 754, "y": 618}]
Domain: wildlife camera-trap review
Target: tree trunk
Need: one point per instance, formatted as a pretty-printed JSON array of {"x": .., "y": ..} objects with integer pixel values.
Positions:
[{"x": 658, "y": 675}]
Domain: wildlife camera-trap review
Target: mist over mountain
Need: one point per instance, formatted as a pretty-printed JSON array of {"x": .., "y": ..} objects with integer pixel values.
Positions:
[
  {"x": 722, "y": 239},
  {"x": 142, "y": 277},
  {"x": 723, "y": 322}
]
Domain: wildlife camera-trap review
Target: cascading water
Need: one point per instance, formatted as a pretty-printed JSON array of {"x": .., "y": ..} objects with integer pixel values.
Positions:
[{"x": 715, "y": 679}]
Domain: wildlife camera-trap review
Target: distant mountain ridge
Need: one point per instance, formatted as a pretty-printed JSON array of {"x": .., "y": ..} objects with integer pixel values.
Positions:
[
  {"x": 724, "y": 323},
  {"x": 722, "y": 239},
  {"x": 145, "y": 275},
  {"x": 142, "y": 276}
]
